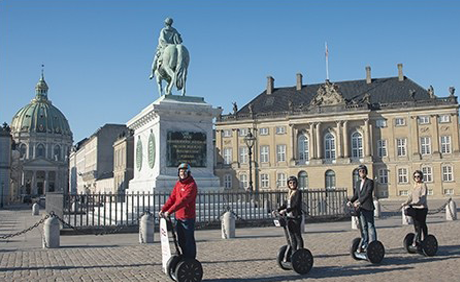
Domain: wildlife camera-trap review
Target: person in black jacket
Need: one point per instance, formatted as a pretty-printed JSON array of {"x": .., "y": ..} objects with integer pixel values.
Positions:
[
  {"x": 293, "y": 211},
  {"x": 362, "y": 199}
]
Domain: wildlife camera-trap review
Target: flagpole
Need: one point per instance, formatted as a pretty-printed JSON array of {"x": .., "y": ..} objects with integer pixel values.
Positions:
[{"x": 327, "y": 62}]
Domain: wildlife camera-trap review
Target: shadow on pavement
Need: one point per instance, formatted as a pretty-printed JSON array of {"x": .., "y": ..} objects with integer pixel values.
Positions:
[
  {"x": 237, "y": 260},
  {"x": 67, "y": 267}
]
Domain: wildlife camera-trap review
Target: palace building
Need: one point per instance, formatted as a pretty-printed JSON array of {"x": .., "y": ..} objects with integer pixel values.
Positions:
[{"x": 322, "y": 132}]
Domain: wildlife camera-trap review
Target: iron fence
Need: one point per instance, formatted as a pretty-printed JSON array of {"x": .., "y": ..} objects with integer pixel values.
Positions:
[{"x": 107, "y": 209}]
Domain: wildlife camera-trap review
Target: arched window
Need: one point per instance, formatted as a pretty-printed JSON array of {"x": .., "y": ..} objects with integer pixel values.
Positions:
[
  {"x": 303, "y": 180},
  {"x": 356, "y": 145},
  {"x": 40, "y": 153},
  {"x": 330, "y": 180},
  {"x": 23, "y": 150},
  {"x": 57, "y": 153},
  {"x": 303, "y": 147},
  {"x": 329, "y": 147},
  {"x": 355, "y": 178}
]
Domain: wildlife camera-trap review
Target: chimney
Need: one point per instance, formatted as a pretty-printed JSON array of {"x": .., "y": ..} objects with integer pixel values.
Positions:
[
  {"x": 400, "y": 72},
  {"x": 368, "y": 75},
  {"x": 270, "y": 82},
  {"x": 299, "y": 82}
]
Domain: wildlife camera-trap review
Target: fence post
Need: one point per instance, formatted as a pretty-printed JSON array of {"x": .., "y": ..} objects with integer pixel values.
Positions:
[
  {"x": 146, "y": 229},
  {"x": 228, "y": 225},
  {"x": 51, "y": 233},
  {"x": 406, "y": 220},
  {"x": 35, "y": 209},
  {"x": 377, "y": 208},
  {"x": 451, "y": 211}
]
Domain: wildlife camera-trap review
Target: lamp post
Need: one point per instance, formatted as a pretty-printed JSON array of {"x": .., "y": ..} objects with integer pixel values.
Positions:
[{"x": 249, "y": 139}]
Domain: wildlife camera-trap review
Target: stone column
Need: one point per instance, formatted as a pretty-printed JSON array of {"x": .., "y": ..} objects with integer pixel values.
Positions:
[
  {"x": 292, "y": 153},
  {"x": 435, "y": 137},
  {"x": 414, "y": 139},
  {"x": 339, "y": 139},
  {"x": 367, "y": 137},
  {"x": 312, "y": 141},
  {"x": 45, "y": 183},
  {"x": 236, "y": 146},
  {"x": 33, "y": 189},
  {"x": 318, "y": 141},
  {"x": 455, "y": 137},
  {"x": 219, "y": 145},
  {"x": 346, "y": 153}
]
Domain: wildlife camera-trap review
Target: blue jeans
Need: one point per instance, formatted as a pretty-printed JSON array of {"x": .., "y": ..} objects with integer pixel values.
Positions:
[
  {"x": 367, "y": 226},
  {"x": 186, "y": 236}
]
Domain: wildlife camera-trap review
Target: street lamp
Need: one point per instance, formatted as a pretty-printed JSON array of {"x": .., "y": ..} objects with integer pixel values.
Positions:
[{"x": 249, "y": 139}]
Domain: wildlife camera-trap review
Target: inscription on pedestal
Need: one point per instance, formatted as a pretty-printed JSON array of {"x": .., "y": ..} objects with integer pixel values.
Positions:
[{"x": 186, "y": 147}]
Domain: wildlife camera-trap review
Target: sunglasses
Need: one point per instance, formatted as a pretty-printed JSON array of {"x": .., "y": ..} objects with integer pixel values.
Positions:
[{"x": 417, "y": 176}]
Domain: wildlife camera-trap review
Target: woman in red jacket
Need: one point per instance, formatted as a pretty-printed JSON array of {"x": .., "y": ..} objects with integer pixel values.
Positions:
[{"x": 182, "y": 202}]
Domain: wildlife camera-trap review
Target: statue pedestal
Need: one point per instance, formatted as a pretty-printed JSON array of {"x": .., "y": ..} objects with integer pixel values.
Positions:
[{"x": 172, "y": 130}]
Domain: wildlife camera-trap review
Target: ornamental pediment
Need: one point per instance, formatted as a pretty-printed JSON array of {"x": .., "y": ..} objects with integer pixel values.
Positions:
[
  {"x": 328, "y": 94},
  {"x": 39, "y": 162}
]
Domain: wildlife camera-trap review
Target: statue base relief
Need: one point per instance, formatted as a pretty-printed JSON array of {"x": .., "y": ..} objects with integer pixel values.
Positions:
[{"x": 170, "y": 131}]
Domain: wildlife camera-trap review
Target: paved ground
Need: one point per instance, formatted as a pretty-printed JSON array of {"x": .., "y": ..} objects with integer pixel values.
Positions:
[{"x": 249, "y": 257}]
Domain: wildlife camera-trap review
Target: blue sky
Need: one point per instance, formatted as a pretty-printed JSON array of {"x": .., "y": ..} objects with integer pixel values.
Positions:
[{"x": 97, "y": 54}]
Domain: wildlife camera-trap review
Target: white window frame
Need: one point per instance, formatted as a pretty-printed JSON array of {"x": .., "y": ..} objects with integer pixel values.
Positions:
[
  {"x": 264, "y": 180},
  {"x": 228, "y": 181},
  {"x": 403, "y": 175},
  {"x": 281, "y": 153},
  {"x": 357, "y": 145},
  {"x": 303, "y": 147},
  {"x": 281, "y": 180},
  {"x": 263, "y": 131},
  {"x": 423, "y": 119},
  {"x": 382, "y": 148},
  {"x": 243, "y": 154},
  {"x": 281, "y": 130},
  {"x": 403, "y": 192},
  {"x": 444, "y": 118},
  {"x": 383, "y": 176},
  {"x": 427, "y": 173},
  {"x": 447, "y": 172},
  {"x": 264, "y": 154},
  {"x": 430, "y": 192},
  {"x": 244, "y": 181},
  {"x": 425, "y": 145},
  {"x": 329, "y": 146},
  {"x": 330, "y": 178},
  {"x": 242, "y": 132},
  {"x": 446, "y": 144},
  {"x": 228, "y": 156},
  {"x": 401, "y": 147},
  {"x": 400, "y": 121},
  {"x": 449, "y": 192},
  {"x": 226, "y": 133}
]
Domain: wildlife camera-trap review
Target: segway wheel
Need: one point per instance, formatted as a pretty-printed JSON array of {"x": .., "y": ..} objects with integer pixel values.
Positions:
[
  {"x": 302, "y": 261},
  {"x": 280, "y": 258},
  {"x": 375, "y": 252},
  {"x": 354, "y": 247},
  {"x": 407, "y": 242},
  {"x": 171, "y": 266},
  {"x": 189, "y": 270},
  {"x": 430, "y": 246}
]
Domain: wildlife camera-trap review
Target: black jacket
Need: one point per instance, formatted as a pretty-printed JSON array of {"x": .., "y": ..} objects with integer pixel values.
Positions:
[
  {"x": 365, "y": 195},
  {"x": 295, "y": 205}
]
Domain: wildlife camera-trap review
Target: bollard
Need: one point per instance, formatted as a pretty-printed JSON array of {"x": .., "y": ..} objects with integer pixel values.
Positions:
[
  {"x": 451, "y": 211},
  {"x": 146, "y": 228},
  {"x": 35, "y": 209},
  {"x": 406, "y": 220},
  {"x": 377, "y": 208},
  {"x": 228, "y": 225},
  {"x": 74, "y": 207},
  {"x": 354, "y": 223},
  {"x": 51, "y": 233},
  {"x": 302, "y": 224}
]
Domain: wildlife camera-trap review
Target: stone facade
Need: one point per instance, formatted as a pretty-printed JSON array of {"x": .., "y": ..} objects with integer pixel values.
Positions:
[
  {"x": 322, "y": 132},
  {"x": 123, "y": 162},
  {"x": 5, "y": 164}
]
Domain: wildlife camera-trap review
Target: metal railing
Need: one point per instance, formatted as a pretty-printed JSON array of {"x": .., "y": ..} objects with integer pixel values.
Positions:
[{"x": 107, "y": 209}]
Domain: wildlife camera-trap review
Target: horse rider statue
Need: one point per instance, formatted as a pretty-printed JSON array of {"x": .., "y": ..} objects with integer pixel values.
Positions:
[{"x": 171, "y": 59}]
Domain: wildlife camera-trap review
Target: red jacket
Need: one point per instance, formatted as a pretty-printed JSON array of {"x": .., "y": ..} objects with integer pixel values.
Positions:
[{"x": 182, "y": 199}]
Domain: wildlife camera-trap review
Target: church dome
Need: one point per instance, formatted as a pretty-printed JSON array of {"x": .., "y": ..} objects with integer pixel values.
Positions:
[{"x": 40, "y": 116}]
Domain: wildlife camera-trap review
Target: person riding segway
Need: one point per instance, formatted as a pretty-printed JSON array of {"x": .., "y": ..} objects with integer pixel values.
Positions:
[
  {"x": 289, "y": 216},
  {"x": 182, "y": 266}
]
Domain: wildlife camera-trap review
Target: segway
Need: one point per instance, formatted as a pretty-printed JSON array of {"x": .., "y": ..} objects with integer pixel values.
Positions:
[
  {"x": 375, "y": 250},
  {"x": 177, "y": 267},
  {"x": 428, "y": 247},
  {"x": 301, "y": 261}
]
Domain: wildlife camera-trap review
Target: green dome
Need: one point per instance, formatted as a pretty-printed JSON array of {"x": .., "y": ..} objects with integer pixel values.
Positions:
[{"x": 40, "y": 115}]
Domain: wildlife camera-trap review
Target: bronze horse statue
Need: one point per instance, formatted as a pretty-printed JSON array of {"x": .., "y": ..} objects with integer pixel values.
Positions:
[{"x": 172, "y": 69}]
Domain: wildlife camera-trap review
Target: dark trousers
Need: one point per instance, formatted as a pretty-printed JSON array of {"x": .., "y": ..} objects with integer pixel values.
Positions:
[
  {"x": 367, "y": 228},
  {"x": 420, "y": 224},
  {"x": 186, "y": 236},
  {"x": 295, "y": 235}
]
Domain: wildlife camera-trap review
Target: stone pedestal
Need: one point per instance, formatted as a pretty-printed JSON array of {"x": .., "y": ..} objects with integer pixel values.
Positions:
[{"x": 172, "y": 130}]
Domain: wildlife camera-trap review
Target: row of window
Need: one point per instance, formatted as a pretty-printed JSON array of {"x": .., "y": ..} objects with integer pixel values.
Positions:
[
  {"x": 421, "y": 120},
  {"x": 242, "y": 132},
  {"x": 40, "y": 152},
  {"x": 330, "y": 149}
]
